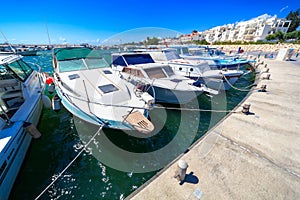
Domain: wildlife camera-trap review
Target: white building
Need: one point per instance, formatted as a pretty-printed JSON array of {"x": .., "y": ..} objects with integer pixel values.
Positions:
[{"x": 252, "y": 30}]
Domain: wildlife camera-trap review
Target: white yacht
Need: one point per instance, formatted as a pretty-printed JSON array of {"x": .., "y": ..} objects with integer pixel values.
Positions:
[
  {"x": 167, "y": 87},
  {"x": 199, "y": 70},
  {"x": 21, "y": 89},
  {"x": 89, "y": 89}
]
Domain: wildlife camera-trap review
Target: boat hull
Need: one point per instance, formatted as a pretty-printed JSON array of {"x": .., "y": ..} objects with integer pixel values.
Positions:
[
  {"x": 164, "y": 95},
  {"x": 93, "y": 119},
  {"x": 17, "y": 150}
]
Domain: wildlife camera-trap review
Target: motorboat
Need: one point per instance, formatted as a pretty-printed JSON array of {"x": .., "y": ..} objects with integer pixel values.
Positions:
[
  {"x": 167, "y": 87},
  {"x": 89, "y": 89},
  {"x": 215, "y": 58},
  {"x": 198, "y": 70},
  {"x": 21, "y": 94}
]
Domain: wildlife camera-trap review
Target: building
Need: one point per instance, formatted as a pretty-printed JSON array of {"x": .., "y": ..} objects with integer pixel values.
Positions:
[{"x": 252, "y": 30}]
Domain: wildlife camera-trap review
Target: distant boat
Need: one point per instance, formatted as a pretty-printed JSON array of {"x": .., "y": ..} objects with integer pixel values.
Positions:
[
  {"x": 21, "y": 90},
  {"x": 215, "y": 58},
  {"x": 140, "y": 69},
  {"x": 92, "y": 91},
  {"x": 30, "y": 51},
  {"x": 199, "y": 70}
]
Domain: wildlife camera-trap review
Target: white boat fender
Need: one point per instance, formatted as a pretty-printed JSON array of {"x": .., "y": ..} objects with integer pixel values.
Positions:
[
  {"x": 32, "y": 130},
  {"x": 148, "y": 99},
  {"x": 46, "y": 101},
  {"x": 51, "y": 88},
  {"x": 56, "y": 103}
]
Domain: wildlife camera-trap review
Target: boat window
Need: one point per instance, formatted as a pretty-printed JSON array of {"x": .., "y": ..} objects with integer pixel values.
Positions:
[
  {"x": 183, "y": 50},
  {"x": 133, "y": 59},
  {"x": 94, "y": 63},
  {"x": 108, "y": 88},
  {"x": 107, "y": 72},
  {"x": 73, "y": 76},
  {"x": 168, "y": 70},
  {"x": 134, "y": 72},
  {"x": 139, "y": 73},
  {"x": 118, "y": 60},
  {"x": 71, "y": 65},
  {"x": 172, "y": 55},
  {"x": 21, "y": 69},
  {"x": 155, "y": 73}
]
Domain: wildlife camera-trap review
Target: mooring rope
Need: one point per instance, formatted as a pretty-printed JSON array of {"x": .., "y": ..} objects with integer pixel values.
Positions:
[
  {"x": 60, "y": 174},
  {"x": 239, "y": 89},
  {"x": 195, "y": 109}
]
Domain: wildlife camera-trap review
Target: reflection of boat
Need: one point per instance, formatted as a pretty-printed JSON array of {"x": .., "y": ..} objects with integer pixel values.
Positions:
[
  {"x": 140, "y": 68},
  {"x": 199, "y": 70},
  {"x": 90, "y": 90},
  {"x": 21, "y": 91}
]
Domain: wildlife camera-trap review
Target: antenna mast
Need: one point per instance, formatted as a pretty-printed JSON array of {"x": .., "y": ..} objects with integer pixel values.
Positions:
[{"x": 6, "y": 40}]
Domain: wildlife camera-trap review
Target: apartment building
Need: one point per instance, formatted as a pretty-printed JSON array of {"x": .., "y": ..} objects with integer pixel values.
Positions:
[{"x": 252, "y": 30}]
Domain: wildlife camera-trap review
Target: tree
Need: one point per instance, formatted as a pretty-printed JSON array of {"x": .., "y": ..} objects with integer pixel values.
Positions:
[
  {"x": 151, "y": 41},
  {"x": 292, "y": 35},
  {"x": 271, "y": 37},
  {"x": 295, "y": 18},
  {"x": 279, "y": 35}
]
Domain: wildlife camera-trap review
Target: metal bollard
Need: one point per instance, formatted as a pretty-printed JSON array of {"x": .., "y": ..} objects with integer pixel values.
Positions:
[
  {"x": 267, "y": 77},
  {"x": 265, "y": 70},
  {"x": 246, "y": 109},
  {"x": 181, "y": 170},
  {"x": 263, "y": 88}
]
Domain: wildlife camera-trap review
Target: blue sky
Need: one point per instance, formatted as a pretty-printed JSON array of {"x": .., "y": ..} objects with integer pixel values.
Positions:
[{"x": 95, "y": 21}]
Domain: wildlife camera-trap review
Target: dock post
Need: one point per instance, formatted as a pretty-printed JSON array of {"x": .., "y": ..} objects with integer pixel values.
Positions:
[
  {"x": 246, "y": 109},
  {"x": 181, "y": 170}
]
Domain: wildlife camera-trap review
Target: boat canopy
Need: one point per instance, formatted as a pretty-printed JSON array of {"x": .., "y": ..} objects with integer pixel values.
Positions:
[
  {"x": 76, "y": 59},
  {"x": 72, "y": 53}
]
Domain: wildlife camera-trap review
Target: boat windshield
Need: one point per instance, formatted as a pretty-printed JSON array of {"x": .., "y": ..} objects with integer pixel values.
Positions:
[
  {"x": 171, "y": 55},
  {"x": 131, "y": 59},
  {"x": 82, "y": 64},
  {"x": 76, "y": 59},
  {"x": 20, "y": 69},
  {"x": 156, "y": 72}
]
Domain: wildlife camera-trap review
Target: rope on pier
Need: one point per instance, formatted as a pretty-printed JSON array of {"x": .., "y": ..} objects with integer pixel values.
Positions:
[
  {"x": 195, "y": 109},
  {"x": 60, "y": 174},
  {"x": 239, "y": 89}
]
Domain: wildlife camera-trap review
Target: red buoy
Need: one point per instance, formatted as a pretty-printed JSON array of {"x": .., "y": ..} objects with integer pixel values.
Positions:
[{"x": 49, "y": 80}]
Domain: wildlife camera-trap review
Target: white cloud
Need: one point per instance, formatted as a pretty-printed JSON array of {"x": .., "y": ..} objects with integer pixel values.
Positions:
[
  {"x": 284, "y": 8},
  {"x": 62, "y": 39}
]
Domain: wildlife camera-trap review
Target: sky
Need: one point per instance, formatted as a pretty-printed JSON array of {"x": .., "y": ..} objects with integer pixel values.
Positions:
[{"x": 112, "y": 21}]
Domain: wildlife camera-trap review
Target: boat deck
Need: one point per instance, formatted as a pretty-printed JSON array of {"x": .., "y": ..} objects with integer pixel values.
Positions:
[{"x": 254, "y": 156}]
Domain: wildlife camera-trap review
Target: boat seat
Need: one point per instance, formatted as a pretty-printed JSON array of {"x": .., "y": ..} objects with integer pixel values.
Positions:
[
  {"x": 11, "y": 94},
  {"x": 11, "y": 100},
  {"x": 9, "y": 85}
]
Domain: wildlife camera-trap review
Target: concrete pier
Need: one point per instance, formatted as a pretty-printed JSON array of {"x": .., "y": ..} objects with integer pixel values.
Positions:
[{"x": 254, "y": 156}]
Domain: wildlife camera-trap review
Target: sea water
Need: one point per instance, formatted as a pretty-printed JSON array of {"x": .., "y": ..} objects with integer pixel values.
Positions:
[{"x": 91, "y": 178}]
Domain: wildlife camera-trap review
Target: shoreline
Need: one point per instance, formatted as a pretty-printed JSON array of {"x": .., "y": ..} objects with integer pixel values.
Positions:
[{"x": 248, "y": 48}]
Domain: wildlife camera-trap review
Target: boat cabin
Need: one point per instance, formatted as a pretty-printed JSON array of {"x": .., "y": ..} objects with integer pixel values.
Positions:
[{"x": 13, "y": 72}]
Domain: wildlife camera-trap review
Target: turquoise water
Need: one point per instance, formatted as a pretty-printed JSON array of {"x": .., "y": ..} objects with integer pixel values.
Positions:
[{"x": 89, "y": 178}]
